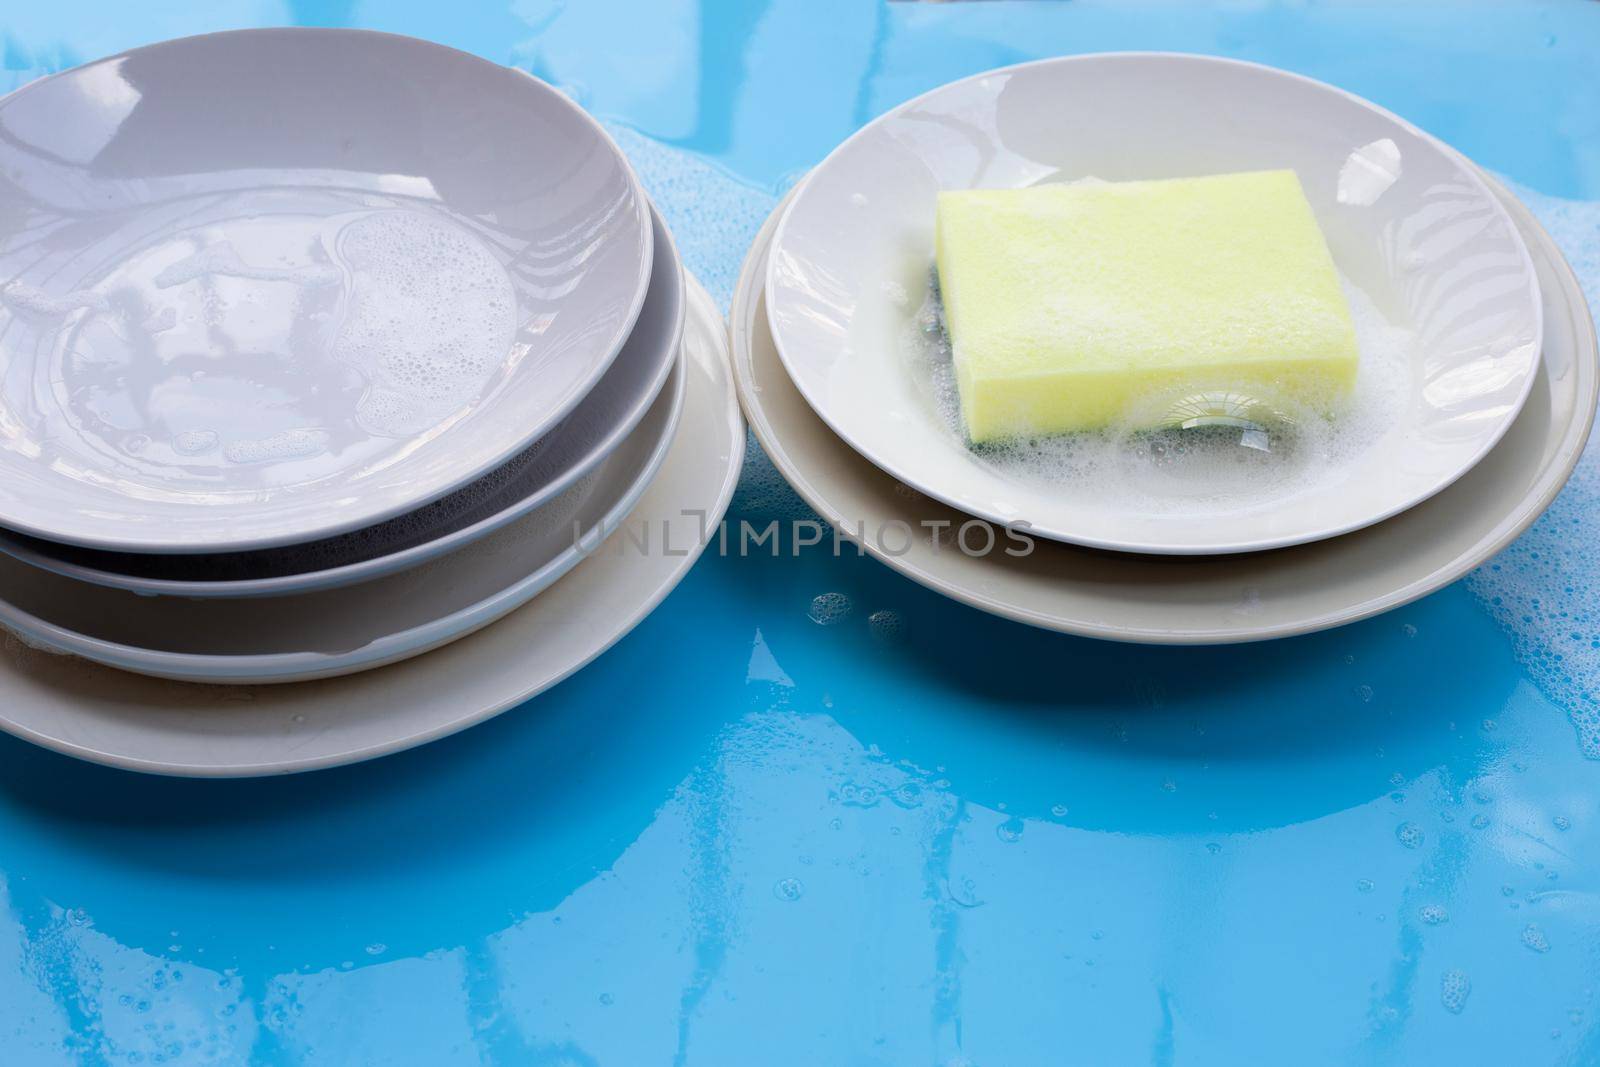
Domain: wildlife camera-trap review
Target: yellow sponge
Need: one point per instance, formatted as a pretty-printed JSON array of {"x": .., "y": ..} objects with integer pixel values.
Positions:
[{"x": 1068, "y": 306}]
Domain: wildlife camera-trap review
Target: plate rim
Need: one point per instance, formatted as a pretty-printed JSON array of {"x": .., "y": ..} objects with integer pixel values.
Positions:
[
  {"x": 643, "y": 219},
  {"x": 748, "y": 299},
  {"x": 664, "y": 583},
  {"x": 932, "y": 489}
]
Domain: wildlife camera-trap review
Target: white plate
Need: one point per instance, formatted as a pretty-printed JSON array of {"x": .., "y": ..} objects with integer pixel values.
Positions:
[
  {"x": 525, "y": 482},
  {"x": 148, "y": 724},
  {"x": 268, "y": 286},
  {"x": 1408, "y": 220},
  {"x": 1194, "y": 600}
]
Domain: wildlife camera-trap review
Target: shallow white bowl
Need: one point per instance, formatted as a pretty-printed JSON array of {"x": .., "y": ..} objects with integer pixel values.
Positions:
[
  {"x": 1408, "y": 220},
  {"x": 527, "y": 481},
  {"x": 268, "y": 286}
]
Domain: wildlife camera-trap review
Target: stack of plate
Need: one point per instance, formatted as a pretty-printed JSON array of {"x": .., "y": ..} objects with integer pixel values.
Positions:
[
  {"x": 323, "y": 349},
  {"x": 1473, "y": 413}
]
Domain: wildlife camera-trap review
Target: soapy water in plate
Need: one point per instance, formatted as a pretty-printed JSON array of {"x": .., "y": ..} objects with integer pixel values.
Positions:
[
  {"x": 1210, "y": 450},
  {"x": 317, "y": 330}
]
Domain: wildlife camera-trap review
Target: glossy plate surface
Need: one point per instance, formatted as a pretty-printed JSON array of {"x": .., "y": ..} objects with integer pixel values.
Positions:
[
  {"x": 269, "y": 286},
  {"x": 526, "y": 481},
  {"x": 339, "y": 631},
  {"x": 1248, "y": 597},
  {"x": 1446, "y": 300}
]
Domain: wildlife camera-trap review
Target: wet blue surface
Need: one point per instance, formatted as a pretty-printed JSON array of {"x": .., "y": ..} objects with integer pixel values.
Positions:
[{"x": 914, "y": 834}]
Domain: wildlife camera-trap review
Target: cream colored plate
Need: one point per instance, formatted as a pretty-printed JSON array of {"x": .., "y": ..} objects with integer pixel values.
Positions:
[
  {"x": 1197, "y": 599},
  {"x": 147, "y": 724}
]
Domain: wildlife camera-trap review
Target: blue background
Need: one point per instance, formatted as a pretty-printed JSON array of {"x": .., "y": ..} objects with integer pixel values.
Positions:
[{"x": 914, "y": 834}]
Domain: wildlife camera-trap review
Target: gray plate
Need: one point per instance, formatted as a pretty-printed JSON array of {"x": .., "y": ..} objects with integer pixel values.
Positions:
[
  {"x": 147, "y": 724},
  {"x": 268, "y": 286},
  {"x": 527, "y": 481},
  {"x": 1196, "y": 600},
  {"x": 341, "y": 631}
]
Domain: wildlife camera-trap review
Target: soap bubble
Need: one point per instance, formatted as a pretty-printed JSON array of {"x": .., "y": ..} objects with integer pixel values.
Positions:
[
  {"x": 830, "y": 608},
  {"x": 1454, "y": 988}
]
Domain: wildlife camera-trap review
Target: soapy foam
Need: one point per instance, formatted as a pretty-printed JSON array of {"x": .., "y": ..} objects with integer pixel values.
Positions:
[
  {"x": 29, "y": 300},
  {"x": 285, "y": 445},
  {"x": 1454, "y": 989},
  {"x": 712, "y": 214},
  {"x": 194, "y": 442},
  {"x": 1545, "y": 588},
  {"x": 1207, "y": 469},
  {"x": 430, "y": 319}
]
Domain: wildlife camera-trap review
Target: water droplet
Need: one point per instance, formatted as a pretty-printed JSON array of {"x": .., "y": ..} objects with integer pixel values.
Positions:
[
  {"x": 607, "y": 999},
  {"x": 1364, "y": 885},
  {"x": 1454, "y": 988},
  {"x": 1479, "y": 821},
  {"x": 1410, "y": 835},
  {"x": 830, "y": 608},
  {"x": 789, "y": 889},
  {"x": 859, "y": 796},
  {"x": 1213, "y": 848},
  {"x": 908, "y": 795},
  {"x": 966, "y": 895},
  {"x": 1434, "y": 914},
  {"x": 1534, "y": 938},
  {"x": 1562, "y": 822},
  {"x": 1364, "y": 692},
  {"x": 1009, "y": 831},
  {"x": 1059, "y": 810},
  {"x": 885, "y": 624},
  {"x": 377, "y": 948}
]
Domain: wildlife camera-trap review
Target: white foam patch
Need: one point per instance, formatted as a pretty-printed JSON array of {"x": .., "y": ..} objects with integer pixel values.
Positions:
[
  {"x": 1545, "y": 588},
  {"x": 29, "y": 300},
  {"x": 430, "y": 318},
  {"x": 714, "y": 217},
  {"x": 1210, "y": 470},
  {"x": 194, "y": 442},
  {"x": 287, "y": 444}
]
